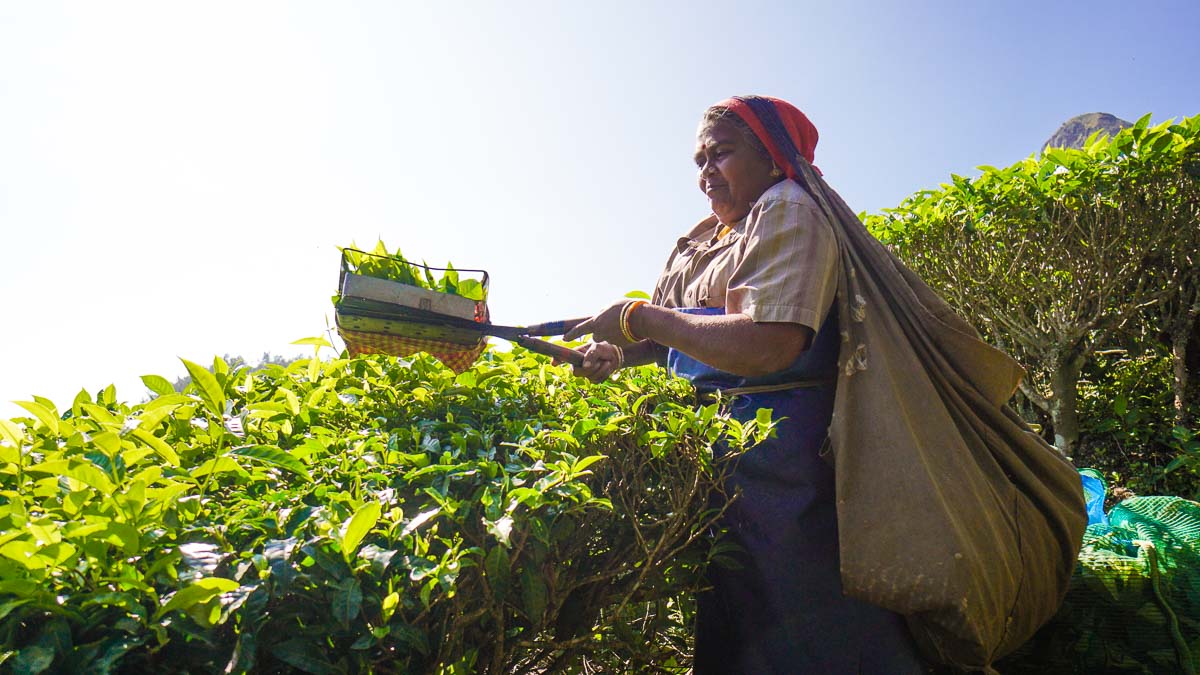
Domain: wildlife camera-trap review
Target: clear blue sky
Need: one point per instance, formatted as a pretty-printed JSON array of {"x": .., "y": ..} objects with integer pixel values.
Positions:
[{"x": 175, "y": 177}]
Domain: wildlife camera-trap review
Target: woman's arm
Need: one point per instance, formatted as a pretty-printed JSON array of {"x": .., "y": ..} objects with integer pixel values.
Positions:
[
  {"x": 734, "y": 343},
  {"x": 644, "y": 353}
]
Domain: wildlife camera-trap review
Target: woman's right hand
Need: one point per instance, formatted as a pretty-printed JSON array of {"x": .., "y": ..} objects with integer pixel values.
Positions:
[
  {"x": 600, "y": 361},
  {"x": 605, "y": 327}
]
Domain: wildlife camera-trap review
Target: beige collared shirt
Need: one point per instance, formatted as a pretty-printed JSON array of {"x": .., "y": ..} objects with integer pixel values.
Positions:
[{"x": 779, "y": 263}]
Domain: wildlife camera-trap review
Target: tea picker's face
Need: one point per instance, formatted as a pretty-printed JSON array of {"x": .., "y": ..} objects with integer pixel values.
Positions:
[{"x": 731, "y": 172}]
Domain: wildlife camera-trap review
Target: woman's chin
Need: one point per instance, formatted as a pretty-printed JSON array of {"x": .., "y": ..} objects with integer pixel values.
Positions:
[
  {"x": 722, "y": 209},
  {"x": 727, "y": 214}
]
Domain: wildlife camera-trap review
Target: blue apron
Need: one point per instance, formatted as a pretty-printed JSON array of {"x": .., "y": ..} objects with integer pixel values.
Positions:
[{"x": 782, "y": 610}]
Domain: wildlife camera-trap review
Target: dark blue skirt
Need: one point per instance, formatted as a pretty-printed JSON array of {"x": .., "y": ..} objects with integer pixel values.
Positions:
[{"x": 781, "y": 609}]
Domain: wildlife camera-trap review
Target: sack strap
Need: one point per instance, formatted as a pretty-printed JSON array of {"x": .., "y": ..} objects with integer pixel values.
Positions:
[{"x": 766, "y": 388}]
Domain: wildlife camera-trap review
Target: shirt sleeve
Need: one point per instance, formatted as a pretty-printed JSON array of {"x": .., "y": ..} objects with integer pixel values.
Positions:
[{"x": 787, "y": 268}]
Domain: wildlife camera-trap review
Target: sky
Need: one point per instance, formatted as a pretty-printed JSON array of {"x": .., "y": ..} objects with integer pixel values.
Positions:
[{"x": 176, "y": 178}]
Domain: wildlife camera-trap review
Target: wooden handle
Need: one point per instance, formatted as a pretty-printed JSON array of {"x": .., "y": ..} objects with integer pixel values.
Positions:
[
  {"x": 554, "y": 327},
  {"x": 549, "y": 349}
]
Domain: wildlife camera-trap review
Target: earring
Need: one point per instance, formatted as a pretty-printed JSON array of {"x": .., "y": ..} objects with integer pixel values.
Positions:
[{"x": 775, "y": 172}]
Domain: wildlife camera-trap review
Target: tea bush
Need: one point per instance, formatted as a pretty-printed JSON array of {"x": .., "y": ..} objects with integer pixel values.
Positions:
[
  {"x": 361, "y": 515},
  {"x": 1126, "y": 405}
]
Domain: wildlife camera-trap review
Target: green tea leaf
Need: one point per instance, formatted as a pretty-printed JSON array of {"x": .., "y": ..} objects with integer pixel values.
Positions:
[
  {"x": 347, "y": 601},
  {"x": 420, "y": 520},
  {"x": 219, "y": 465},
  {"x": 201, "y": 591},
  {"x": 32, "y": 660},
  {"x": 8, "y": 607},
  {"x": 23, "y": 552},
  {"x": 100, "y": 414},
  {"x": 159, "y": 446},
  {"x": 210, "y": 390},
  {"x": 584, "y": 463},
  {"x": 763, "y": 417},
  {"x": 274, "y": 456},
  {"x": 501, "y": 529},
  {"x": 304, "y": 655},
  {"x": 293, "y": 402},
  {"x": 12, "y": 434},
  {"x": 108, "y": 441},
  {"x": 358, "y": 526},
  {"x": 110, "y": 651},
  {"x": 470, "y": 289},
  {"x": 388, "y": 606},
  {"x": 497, "y": 566},
  {"x": 42, "y": 413},
  {"x": 533, "y": 594},
  {"x": 158, "y": 384},
  {"x": 313, "y": 341},
  {"x": 151, "y": 418},
  {"x": 122, "y": 535},
  {"x": 87, "y": 474}
]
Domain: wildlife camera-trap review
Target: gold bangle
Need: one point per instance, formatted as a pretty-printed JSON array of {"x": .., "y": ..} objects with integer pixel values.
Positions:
[
  {"x": 626, "y": 313},
  {"x": 622, "y": 322}
]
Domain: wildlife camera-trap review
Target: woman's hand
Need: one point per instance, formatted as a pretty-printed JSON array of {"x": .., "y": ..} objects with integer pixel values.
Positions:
[
  {"x": 600, "y": 360},
  {"x": 604, "y": 327}
]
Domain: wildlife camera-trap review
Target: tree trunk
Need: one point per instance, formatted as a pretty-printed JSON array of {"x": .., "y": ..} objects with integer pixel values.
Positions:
[
  {"x": 1179, "y": 383},
  {"x": 1064, "y": 415},
  {"x": 1185, "y": 357}
]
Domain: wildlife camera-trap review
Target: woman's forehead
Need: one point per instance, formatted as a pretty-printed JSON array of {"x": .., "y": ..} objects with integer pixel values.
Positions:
[{"x": 710, "y": 134}]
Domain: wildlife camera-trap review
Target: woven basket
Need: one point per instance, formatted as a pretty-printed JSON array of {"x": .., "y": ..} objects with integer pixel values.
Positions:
[{"x": 398, "y": 338}]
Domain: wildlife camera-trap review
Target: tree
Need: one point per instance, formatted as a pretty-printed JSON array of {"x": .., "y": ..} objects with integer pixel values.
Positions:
[
  {"x": 1181, "y": 311},
  {"x": 1061, "y": 255},
  {"x": 267, "y": 359}
]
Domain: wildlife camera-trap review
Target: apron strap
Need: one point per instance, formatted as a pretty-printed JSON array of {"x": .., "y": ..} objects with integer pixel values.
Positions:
[{"x": 762, "y": 389}]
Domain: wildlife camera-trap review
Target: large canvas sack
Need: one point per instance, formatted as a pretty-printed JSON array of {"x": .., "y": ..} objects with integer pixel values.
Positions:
[{"x": 951, "y": 511}]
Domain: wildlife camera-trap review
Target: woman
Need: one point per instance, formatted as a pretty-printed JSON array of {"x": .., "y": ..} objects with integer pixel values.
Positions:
[{"x": 745, "y": 307}]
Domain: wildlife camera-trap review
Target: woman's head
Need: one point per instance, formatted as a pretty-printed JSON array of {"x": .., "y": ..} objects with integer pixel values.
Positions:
[
  {"x": 734, "y": 166},
  {"x": 764, "y": 140}
]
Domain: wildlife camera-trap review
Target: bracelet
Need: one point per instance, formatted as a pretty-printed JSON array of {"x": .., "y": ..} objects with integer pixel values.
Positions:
[
  {"x": 626, "y": 312},
  {"x": 620, "y": 357}
]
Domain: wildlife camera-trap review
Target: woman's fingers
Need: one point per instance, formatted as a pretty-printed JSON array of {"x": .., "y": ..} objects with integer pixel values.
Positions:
[
  {"x": 604, "y": 327},
  {"x": 599, "y": 362},
  {"x": 579, "y": 330}
]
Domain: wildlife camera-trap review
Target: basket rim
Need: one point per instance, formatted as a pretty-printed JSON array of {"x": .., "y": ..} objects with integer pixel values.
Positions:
[{"x": 413, "y": 263}]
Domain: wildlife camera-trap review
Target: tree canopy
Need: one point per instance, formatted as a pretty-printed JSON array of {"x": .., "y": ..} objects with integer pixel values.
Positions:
[{"x": 1066, "y": 254}]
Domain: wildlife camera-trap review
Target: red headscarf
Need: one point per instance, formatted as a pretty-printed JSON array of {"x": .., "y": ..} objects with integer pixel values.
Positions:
[{"x": 782, "y": 128}]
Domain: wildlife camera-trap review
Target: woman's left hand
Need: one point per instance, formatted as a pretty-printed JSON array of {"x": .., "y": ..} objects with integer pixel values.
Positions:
[
  {"x": 600, "y": 360},
  {"x": 604, "y": 327}
]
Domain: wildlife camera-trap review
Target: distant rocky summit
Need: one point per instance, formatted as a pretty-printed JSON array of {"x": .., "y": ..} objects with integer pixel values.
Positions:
[{"x": 1076, "y": 130}]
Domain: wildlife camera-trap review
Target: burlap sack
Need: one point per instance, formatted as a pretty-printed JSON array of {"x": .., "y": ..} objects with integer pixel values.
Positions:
[{"x": 951, "y": 511}]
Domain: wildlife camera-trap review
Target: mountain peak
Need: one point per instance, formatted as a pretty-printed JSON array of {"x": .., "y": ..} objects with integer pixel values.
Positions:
[{"x": 1076, "y": 130}]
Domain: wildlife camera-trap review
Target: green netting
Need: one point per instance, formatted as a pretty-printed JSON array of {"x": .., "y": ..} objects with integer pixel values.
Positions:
[{"x": 1133, "y": 605}]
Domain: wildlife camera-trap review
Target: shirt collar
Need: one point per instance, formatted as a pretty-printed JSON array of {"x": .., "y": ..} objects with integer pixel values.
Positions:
[{"x": 705, "y": 234}]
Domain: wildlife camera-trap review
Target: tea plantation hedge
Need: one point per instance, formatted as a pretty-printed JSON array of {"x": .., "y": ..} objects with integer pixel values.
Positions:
[{"x": 360, "y": 515}]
